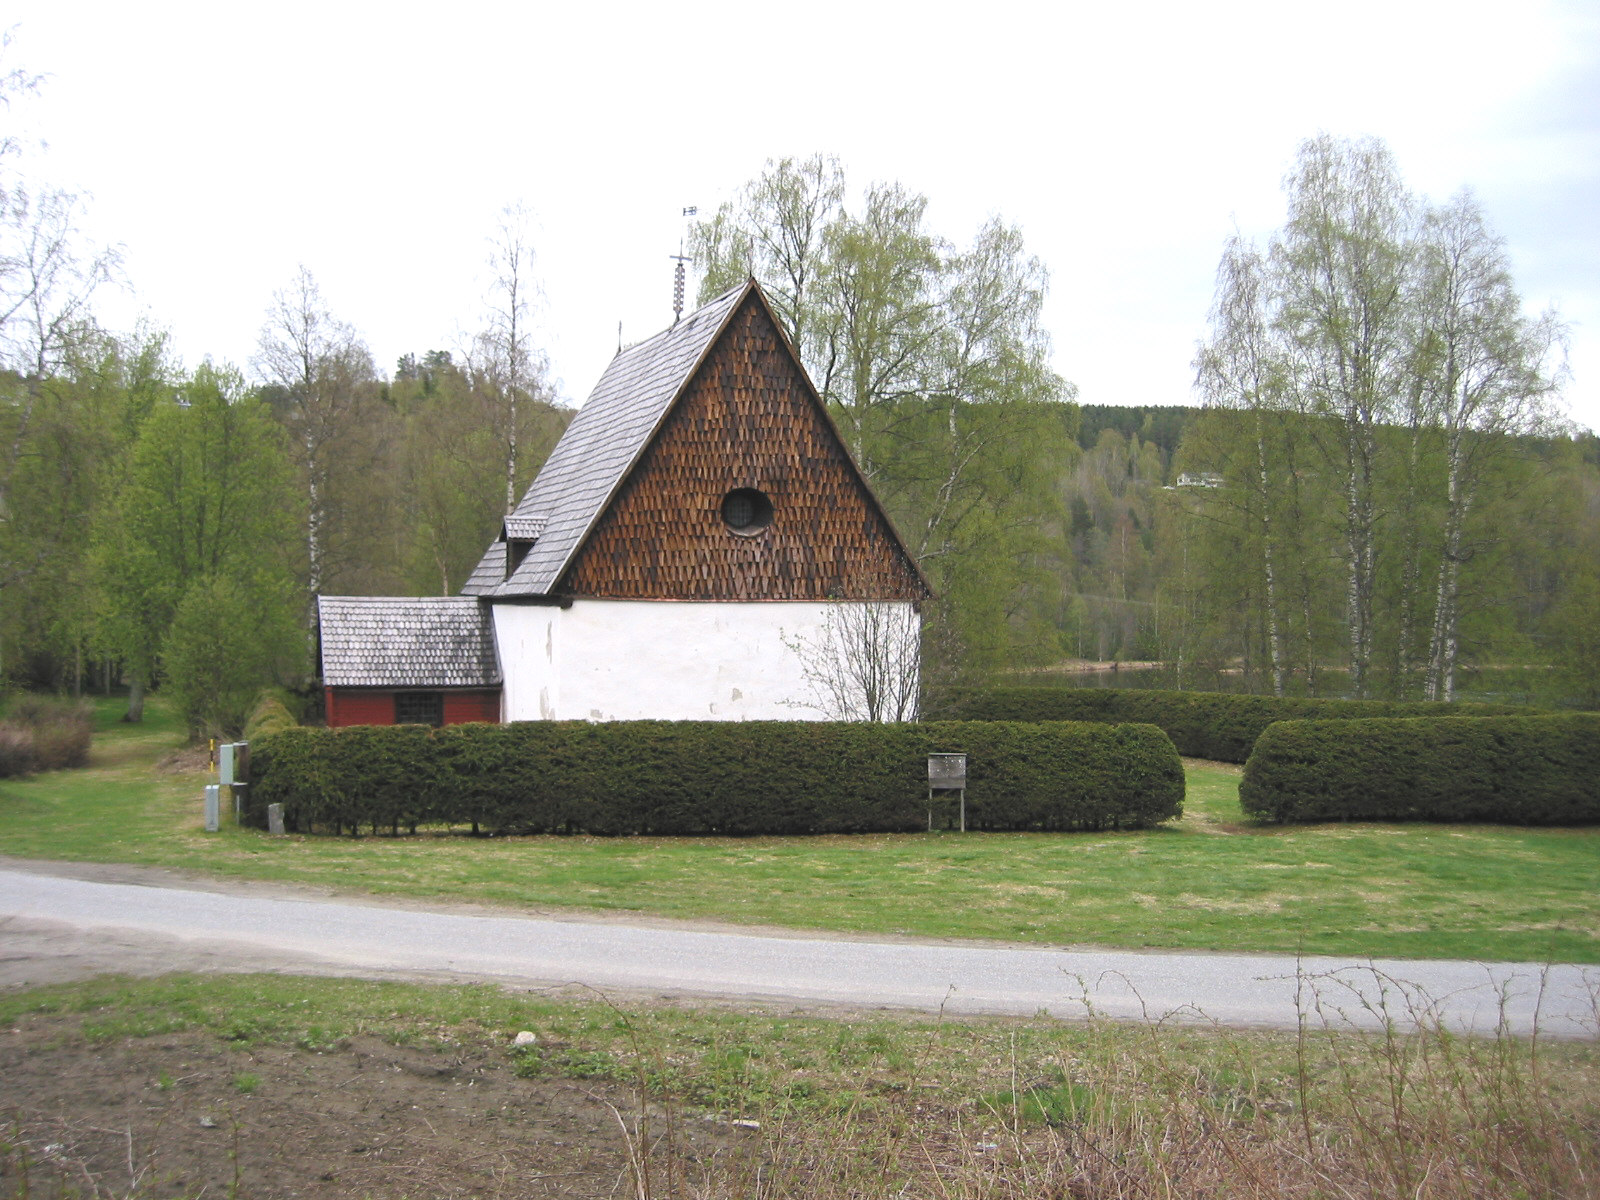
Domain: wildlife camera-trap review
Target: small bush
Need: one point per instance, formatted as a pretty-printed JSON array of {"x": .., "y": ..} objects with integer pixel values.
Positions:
[
  {"x": 1539, "y": 770},
  {"x": 712, "y": 777},
  {"x": 16, "y": 750},
  {"x": 1222, "y": 726},
  {"x": 45, "y": 734},
  {"x": 270, "y": 714}
]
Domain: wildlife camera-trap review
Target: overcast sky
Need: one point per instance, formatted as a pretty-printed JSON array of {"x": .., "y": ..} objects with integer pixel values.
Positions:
[{"x": 225, "y": 145}]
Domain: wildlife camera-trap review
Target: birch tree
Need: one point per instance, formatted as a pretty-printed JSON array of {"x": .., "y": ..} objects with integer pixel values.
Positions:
[
  {"x": 49, "y": 274},
  {"x": 322, "y": 371},
  {"x": 1488, "y": 380},
  {"x": 775, "y": 232},
  {"x": 508, "y": 371},
  {"x": 1386, "y": 334},
  {"x": 1342, "y": 265},
  {"x": 1239, "y": 369},
  {"x": 932, "y": 359},
  {"x": 879, "y": 316}
]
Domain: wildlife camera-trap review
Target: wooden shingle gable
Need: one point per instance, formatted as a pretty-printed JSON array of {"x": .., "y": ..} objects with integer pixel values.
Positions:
[
  {"x": 603, "y": 441},
  {"x": 631, "y": 502},
  {"x": 748, "y": 421}
]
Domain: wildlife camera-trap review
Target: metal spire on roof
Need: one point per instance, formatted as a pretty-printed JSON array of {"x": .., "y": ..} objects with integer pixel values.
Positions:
[
  {"x": 677, "y": 290},
  {"x": 678, "y": 271}
]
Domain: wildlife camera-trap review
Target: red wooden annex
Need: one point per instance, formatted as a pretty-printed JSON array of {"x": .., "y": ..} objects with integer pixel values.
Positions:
[{"x": 407, "y": 660}]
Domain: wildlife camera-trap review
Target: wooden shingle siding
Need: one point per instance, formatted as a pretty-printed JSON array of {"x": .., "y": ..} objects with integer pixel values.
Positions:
[
  {"x": 748, "y": 419},
  {"x": 601, "y": 443}
]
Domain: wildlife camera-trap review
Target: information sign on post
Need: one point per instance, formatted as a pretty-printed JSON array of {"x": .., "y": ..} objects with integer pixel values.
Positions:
[{"x": 947, "y": 773}]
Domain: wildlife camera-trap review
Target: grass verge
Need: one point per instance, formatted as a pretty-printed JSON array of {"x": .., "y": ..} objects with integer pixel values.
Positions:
[
  {"x": 1209, "y": 881},
  {"x": 875, "y": 1105}
]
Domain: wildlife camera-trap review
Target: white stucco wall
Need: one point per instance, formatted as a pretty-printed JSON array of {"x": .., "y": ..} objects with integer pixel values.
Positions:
[
  {"x": 526, "y": 638},
  {"x": 613, "y": 660}
]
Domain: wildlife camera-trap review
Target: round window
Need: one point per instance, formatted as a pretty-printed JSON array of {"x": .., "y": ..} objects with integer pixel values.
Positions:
[{"x": 746, "y": 510}]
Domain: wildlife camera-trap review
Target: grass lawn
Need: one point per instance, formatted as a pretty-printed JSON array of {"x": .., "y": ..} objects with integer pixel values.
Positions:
[{"x": 1209, "y": 881}]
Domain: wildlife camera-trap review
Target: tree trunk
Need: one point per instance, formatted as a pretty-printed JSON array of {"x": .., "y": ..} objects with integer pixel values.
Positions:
[
  {"x": 135, "y": 713},
  {"x": 1359, "y": 560},
  {"x": 1269, "y": 564},
  {"x": 1400, "y": 687},
  {"x": 314, "y": 518},
  {"x": 1443, "y": 646}
]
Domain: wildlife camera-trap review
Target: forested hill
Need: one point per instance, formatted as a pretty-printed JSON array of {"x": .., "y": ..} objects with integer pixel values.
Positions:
[{"x": 1162, "y": 425}]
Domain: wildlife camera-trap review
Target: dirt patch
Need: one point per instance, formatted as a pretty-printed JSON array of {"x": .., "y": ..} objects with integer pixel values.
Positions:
[
  {"x": 186, "y": 1114},
  {"x": 186, "y": 760}
]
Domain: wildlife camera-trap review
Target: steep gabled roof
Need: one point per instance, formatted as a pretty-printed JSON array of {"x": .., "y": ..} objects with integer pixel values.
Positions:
[
  {"x": 593, "y": 457},
  {"x": 391, "y": 641}
]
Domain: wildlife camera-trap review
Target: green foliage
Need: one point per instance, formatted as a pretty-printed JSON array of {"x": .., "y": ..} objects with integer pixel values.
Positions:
[
  {"x": 934, "y": 361},
  {"x": 1220, "y": 726},
  {"x": 270, "y": 714},
  {"x": 1376, "y": 377},
  {"x": 1163, "y": 426},
  {"x": 685, "y": 777},
  {"x": 1528, "y": 770},
  {"x": 70, "y": 435},
  {"x": 204, "y": 519},
  {"x": 222, "y": 644},
  {"x": 445, "y": 498}
]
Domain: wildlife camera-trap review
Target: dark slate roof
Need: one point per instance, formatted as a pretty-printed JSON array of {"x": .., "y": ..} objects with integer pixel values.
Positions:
[
  {"x": 393, "y": 641},
  {"x": 593, "y": 457}
]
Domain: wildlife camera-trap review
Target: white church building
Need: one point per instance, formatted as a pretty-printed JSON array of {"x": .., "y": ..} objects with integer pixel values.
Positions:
[{"x": 698, "y": 538}]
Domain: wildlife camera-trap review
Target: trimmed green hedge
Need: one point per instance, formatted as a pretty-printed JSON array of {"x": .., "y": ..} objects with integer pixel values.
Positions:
[
  {"x": 271, "y": 714},
  {"x": 711, "y": 777},
  {"x": 1540, "y": 770},
  {"x": 1217, "y": 725}
]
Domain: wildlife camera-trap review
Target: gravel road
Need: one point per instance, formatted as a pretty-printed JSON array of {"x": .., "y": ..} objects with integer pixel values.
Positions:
[{"x": 61, "y": 921}]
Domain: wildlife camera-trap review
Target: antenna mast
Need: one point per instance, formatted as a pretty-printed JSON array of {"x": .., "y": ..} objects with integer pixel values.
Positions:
[{"x": 678, "y": 271}]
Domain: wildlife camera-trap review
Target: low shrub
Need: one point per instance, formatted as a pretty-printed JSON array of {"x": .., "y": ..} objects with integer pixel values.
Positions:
[
  {"x": 1528, "y": 770},
  {"x": 270, "y": 714},
  {"x": 16, "y": 750},
  {"x": 1222, "y": 726},
  {"x": 40, "y": 733},
  {"x": 712, "y": 777}
]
